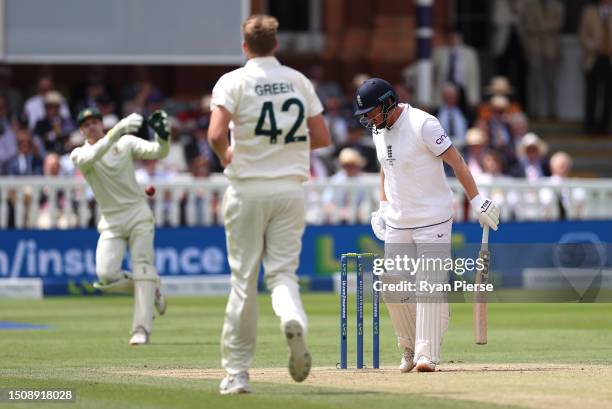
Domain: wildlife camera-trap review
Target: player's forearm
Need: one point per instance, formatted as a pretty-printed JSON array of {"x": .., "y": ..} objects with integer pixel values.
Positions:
[
  {"x": 152, "y": 150},
  {"x": 319, "y": 134},
  {"x": 461, "y": 170},
  {"x": 218, "y": 133},
  {"x": 219, "y": 145},
  {"x": 85, "y": 156},
  {"x": 467, "y": 181}
]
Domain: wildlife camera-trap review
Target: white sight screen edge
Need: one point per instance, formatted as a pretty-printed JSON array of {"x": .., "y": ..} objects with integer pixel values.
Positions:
[{"x": 124, "y": 31}]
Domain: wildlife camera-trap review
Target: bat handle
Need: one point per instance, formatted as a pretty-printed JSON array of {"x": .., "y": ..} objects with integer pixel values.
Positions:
[{"x": 485, "y": 234}]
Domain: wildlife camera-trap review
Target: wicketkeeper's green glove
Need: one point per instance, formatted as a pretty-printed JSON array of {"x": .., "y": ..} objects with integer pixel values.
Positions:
[{"x": 158, "y": 120}]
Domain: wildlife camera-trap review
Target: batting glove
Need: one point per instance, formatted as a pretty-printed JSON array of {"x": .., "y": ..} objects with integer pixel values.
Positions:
[
  {"x": 128, "y": 125},
  {"x": 378, "y": 221},
  {"x": 487, "y": 211},
  {"x": 159, "y": 122}
]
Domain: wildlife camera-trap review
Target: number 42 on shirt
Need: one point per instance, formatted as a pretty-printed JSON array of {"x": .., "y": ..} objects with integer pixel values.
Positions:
[{"x": 267, "y": 111}]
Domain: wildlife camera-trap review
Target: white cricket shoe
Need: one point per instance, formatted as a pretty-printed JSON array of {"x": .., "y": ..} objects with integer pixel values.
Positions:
[
  {"x": 299, "y": 357},
  {"x": 140, "y": 336},
  {"x": 425, "y": 365},
  {"x": 160, "y": 302},
  {"x": 407, "y": 362},
  {"x": 235, "y": 384}
]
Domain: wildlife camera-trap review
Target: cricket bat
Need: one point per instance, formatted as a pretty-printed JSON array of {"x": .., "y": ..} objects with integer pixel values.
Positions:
[{"x": 480, "y": 297}]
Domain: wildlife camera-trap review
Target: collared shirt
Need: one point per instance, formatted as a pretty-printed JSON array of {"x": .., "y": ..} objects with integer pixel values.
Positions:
[{"x": 415, "y": 183}]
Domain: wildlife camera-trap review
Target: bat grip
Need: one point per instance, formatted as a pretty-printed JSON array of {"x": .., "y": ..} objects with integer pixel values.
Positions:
[{"x": 485, "y": 234}]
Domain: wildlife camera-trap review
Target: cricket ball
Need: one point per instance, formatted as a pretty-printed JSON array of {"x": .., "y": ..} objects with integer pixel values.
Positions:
[{"x": 150, "y": 190}]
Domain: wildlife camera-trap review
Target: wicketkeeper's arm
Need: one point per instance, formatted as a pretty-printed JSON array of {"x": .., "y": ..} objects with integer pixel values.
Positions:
[
  {"x": 159, "y": 148},
  {"x": 149, "y": 150},
  {"x": 85, "y": 156}
]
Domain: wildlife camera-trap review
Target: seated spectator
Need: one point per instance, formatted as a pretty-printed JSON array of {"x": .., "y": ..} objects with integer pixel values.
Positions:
[
  {"x": 499, "y": 86},
  {"x": 28, "y": 160},
  {"x": 506, "y": 199},
  {"x": 341, "y": 205},
  {"x": 359, "y": 140},
  {"x": 356, "y": 82},
  {"x": 94, "y": 90},
  {"x": 404, "y": 92},
  {"x": 53, "y": 129},
  {"x": 34, "y": 107},
  {"x": 500, "y": 137},
  {"x": 476, "y": 145},
  {"x": 134, "y": 95},
  {"x": 323, "y": 87},
  {"x": 564, "y": 203},
  {"x": 452, "y": 118},
  {"x": 492, "y": 166},
  {"x": 67, "y": 167},
  {"x": 519, "y": 125},
  {"x": 149, "y": 172},
  {"x": 533, "y": 163},
  {"x": 336, "y": 120},
  {"x": 61, "y": 216},
  {"x": 106, "y": 105},
  {"x": 198, "y": 146},
  {"x": 200, "y": 206},
  {"x": 200, "y": 167},
  {"x": 8, "y": 140}
]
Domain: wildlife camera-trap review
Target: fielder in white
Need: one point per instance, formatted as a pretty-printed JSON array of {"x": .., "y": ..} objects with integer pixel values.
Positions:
[
  {"x": 275, "y": 119},
  {"x": 415, "y": 210},
  {"x": 107, "y": 163}
]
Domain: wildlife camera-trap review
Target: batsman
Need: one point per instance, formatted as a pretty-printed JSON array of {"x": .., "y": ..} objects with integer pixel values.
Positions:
[
  {"x": 415, "y": 212},
  {"x": 107, "y": 163}
]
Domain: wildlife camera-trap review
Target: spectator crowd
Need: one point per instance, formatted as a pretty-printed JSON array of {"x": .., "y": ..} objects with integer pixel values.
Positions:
[{"x": 490, "y": 125}]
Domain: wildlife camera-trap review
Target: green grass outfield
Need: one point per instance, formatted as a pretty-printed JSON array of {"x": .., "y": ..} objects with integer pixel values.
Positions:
[{"x": 86, "y": 350}]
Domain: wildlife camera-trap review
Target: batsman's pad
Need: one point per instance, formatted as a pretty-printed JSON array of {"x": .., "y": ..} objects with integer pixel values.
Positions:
[
  {"x": 403, "y": 317},
  {"x": 432, "y": 312}
]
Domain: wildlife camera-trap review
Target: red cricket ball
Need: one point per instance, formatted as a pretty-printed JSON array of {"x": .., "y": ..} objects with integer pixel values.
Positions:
[{"x": 150, "y": 190}]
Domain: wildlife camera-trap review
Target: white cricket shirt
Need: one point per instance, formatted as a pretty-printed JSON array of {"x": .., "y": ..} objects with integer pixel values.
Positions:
[
  {"x": 269, "y": 103},
  {"x": 108, "y": 168},
  {"x": 415, "y": 183}
]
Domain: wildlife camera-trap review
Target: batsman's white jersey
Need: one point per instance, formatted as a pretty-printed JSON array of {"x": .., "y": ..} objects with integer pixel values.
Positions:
[
  {"x": 415, "y": 183},
  {"x": 269, "y": 103},
  {"x": 126, "y": 219},
  {"x": 263, "y": 207}
]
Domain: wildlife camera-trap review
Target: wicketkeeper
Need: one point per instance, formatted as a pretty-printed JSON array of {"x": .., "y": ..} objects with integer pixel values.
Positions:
[{"x": 107, "y": 163}]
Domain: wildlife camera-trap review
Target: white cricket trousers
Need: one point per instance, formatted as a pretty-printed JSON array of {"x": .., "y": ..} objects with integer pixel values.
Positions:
[
  {"x": 264, "y": 223},
  {"x": 135, "y": 230},
  {"x": 420, "y": 325}
]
